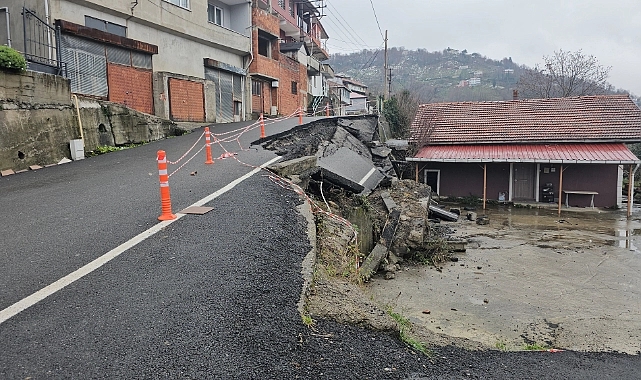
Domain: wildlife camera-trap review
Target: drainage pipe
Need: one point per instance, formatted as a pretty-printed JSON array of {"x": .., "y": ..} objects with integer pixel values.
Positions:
[
  {"x": 82, "y": 137},
  {"x": 631, "y": 188},
  {"x": 6, "y": 13}
]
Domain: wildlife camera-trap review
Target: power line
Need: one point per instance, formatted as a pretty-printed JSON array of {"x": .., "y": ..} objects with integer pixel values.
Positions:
[
  {"x": 376, "y": 17},
  {"x": 348, "y": 25}
]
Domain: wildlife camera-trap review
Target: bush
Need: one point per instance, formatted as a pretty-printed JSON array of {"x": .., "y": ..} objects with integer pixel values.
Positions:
[{"x": 11, "y": 59}]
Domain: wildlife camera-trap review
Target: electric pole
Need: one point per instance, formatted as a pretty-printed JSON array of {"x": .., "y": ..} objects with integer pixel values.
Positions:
[{"x": 385, "y": 68}]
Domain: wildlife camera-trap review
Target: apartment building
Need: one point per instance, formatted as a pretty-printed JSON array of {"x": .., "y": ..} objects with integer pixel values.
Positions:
[
  {"x": 287, "y": 55},
  {"x": 184, "y": 60}
]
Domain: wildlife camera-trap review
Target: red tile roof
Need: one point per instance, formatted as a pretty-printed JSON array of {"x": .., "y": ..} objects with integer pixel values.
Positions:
[
  {"x": 602, "y": 118},
  {"x": 541, "y": 153}
]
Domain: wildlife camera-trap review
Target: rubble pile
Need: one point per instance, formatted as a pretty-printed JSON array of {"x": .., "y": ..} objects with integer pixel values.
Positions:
[{"x": 340, "y": 161}]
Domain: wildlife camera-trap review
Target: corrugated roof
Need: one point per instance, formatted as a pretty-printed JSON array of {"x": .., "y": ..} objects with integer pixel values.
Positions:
[
  {"x": 535, "y": 153},
  {"x": 605, "y": 118}
]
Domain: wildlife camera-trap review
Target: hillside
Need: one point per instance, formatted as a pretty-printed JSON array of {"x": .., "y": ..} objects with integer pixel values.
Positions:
[{"x": 434, "y": 76}]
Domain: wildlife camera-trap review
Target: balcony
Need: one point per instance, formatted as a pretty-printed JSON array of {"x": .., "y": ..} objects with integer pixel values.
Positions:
[{"x": 313, "y": 66}]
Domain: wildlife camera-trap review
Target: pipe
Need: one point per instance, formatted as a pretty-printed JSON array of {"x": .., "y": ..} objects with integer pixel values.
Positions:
[
  {"x": 631, "y": 188},
  {"x": 82, "y": 136},
  {"x": 48, "y": 31},
  {"x": 6, "y": 12}
]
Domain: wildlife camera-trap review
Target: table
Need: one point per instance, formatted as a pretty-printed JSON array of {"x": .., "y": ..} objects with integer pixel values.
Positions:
[{"x": 580, "y": 192}]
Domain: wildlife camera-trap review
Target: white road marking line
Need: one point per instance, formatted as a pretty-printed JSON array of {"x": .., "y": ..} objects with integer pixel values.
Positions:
[
  {"x": 45, "y": 292},
  {"x": 362, "y": 182}
]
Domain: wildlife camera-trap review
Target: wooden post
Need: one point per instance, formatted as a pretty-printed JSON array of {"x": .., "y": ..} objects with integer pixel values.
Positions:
[
  {"x": 484, "y": 185},
  {"x": 560, "y": 188},
  {"x": 417, "y": 172},
  {"x": 630, "y": 187}
]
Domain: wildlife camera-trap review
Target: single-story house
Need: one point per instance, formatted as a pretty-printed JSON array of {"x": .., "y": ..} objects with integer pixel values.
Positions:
[{"x": 534, "y": 150}]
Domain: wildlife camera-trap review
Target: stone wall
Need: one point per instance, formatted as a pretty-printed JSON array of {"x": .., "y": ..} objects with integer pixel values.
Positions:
[{"x": 38, "y": 119}]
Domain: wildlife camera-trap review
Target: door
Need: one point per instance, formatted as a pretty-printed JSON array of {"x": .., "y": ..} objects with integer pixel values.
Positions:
[
  {"x": 523, "y": 182},
  {"x": 433, "y": 180}
]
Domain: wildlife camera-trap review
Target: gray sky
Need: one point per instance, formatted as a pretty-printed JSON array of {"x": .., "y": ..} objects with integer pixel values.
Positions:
[{"x": 610, "y": 30}]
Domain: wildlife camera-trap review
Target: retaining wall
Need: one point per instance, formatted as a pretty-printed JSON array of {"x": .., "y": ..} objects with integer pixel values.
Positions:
[{"x": 38, "y": 119}]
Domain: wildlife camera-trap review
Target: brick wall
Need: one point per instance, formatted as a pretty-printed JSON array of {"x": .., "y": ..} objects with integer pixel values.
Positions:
[
  {"x": 131, "y": 87},
  {"x": 291, "y": 71},
  {"x": 265, "y": 21},
  {"x": 186, "y": 100}
]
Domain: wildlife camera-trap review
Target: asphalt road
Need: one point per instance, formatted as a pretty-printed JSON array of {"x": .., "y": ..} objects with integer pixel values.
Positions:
[{"x": 210, "y": 296}]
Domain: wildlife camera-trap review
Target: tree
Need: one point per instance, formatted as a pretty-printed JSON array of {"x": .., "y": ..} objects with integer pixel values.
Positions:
[
  {"x": 565, "y": 74},
  {"x": 400, "y": 111}
]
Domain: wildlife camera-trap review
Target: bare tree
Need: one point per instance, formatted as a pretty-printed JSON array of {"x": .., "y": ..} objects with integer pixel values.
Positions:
[{"x": 565, "y": 74}]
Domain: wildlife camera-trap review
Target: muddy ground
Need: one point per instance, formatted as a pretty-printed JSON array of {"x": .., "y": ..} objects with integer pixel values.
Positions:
[{"x": 530, "y": 279}]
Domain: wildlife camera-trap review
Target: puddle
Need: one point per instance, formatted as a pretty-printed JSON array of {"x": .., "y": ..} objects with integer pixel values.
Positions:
[{"x": 626, "y": 238}]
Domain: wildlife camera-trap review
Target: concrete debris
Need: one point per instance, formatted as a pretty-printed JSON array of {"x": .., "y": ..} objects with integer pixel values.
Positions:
[
  {"x": 471, "y": 216},
  {"x": 295, "y": 166},
  {"x": 349, "y": 170},
  {"x": 390, "y": 205},
  {"x": 442, "y": 214},
  {"x": 65, "y": 160},
  {"x": 483, "y": 220},
  {"x": 7, "y": 172},
  {"x": 381, "y": 151},
  {"x": 373, "y": 260}
]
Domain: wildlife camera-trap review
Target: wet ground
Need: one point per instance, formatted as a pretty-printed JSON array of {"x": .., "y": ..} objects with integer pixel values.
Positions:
[{"x": 531, "y": 278}]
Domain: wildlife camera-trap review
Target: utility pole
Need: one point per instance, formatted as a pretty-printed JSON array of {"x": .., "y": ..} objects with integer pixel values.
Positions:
[
  {"x": 389, "y": 84},
  {"x": 385, "y": 68}
]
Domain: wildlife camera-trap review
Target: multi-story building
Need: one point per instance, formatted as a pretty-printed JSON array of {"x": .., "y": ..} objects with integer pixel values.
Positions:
[
  {"x": 287, "y": 55},
  {"x": 184, "y": 60}
]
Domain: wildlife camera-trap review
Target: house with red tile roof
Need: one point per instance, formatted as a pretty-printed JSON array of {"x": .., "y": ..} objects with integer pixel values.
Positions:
[{"x": 568, "y": 151}]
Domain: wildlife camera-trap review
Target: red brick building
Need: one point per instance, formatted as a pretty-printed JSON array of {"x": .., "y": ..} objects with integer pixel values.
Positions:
[{"x": 286, "y": 44}]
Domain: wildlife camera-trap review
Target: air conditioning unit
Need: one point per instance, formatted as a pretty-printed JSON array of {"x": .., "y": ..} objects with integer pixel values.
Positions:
[{"x": 275, "y": 84}]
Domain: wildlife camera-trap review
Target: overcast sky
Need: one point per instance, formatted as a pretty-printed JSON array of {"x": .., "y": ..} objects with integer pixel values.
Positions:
[{"x": 610, "y": 30}]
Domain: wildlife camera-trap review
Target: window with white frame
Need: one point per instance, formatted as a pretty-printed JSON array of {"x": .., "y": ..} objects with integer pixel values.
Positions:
[
  {"x": 180, "y": 3},
  {"x": 215, "y": 14},
  {"x": 291, "y": 7},
  {"x": 281, "y": 3}
]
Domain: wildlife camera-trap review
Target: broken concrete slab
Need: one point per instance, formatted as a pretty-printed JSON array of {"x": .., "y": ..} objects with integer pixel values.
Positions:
[
  {"x": 348, "y": 169},
  {"x": 7, "y": 172},
  {"x": 381, "y": 151},
  {"x": 35, "y": 167},
  {"x": 294, "y": 167},
  {"x": 387, "y": 236},
  {"x": 364, "y": 128},
  {"x": 390, "y": 205},
  {"x": 442, "y": 214},
  {"x": 372, "y": 262}
]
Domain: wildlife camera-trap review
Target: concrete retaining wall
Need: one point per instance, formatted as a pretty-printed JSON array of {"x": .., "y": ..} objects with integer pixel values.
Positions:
[{"x": 38, "y": 119}]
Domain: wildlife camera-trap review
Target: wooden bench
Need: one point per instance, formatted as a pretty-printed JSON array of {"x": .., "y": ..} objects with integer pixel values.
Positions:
[{"x": 580, "y": 192}]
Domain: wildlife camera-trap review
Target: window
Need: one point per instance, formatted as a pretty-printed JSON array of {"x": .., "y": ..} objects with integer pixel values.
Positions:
[
  {"x": 105, "y": 26},
  {"x": 264, "y": 46},
  {"x": 294, "y": 88},
  {"x": 257, "y": 88},
  {"x": 180, "y": 3},
  {"x": 215, "y": 14},
  {"x": 291, "y": 7},
  {"x": 281, "y": 3}
]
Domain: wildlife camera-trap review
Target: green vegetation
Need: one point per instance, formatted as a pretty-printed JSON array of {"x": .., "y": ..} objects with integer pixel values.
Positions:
[
  {"x": 12, "y": 60},
  {"x": 307, "y": 320},
  {"x": 501, "y": 345},
  {"x": 108, "y": 149},
  {"x": 405, "y": 326},
  {"x": 535, "y": 347}
]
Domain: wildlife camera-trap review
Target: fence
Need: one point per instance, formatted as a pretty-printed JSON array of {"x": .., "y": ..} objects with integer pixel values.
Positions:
[{"x": 41, "y": 44}]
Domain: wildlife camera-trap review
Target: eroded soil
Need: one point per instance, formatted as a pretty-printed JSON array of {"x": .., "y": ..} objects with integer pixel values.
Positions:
[{"x": 529, "y": 278}]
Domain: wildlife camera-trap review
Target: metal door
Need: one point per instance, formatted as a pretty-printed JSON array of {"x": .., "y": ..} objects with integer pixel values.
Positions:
[{"x": 523, "y": 181}]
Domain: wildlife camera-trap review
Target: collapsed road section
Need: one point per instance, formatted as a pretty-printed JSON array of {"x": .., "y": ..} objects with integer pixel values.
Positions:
[{"x": 341, "y": 163}]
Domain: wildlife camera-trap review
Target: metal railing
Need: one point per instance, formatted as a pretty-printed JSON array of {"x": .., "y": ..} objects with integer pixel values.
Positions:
[{"x": 42, "y": 44}]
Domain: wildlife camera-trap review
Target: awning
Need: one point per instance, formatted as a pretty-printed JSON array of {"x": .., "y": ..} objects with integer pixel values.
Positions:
[{"x": 617, "y": 154}]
